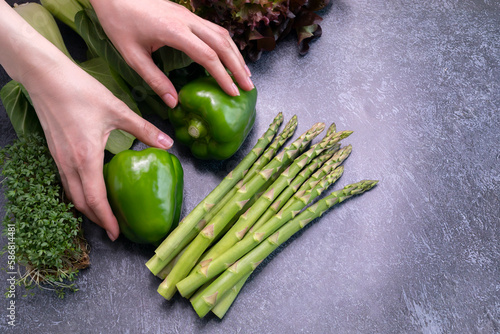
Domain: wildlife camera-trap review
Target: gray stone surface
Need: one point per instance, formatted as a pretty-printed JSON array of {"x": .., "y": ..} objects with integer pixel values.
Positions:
[{"x": 419, "y": 83}]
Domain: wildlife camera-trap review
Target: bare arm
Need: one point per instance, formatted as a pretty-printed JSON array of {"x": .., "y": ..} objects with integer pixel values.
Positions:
[{"x": 76, "y": 112}]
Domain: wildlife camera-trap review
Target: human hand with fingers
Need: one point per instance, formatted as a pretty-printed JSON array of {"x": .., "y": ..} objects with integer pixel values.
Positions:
[
  {"x": 139, "y": 29},
  {"x": 77, "y": 114}
]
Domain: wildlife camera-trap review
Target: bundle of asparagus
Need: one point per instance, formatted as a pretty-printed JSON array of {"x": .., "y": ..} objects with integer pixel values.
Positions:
[{"x": 258, "y": 206}]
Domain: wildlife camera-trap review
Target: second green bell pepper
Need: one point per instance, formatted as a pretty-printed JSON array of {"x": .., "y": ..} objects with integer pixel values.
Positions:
[
  {"x": 145, "y": 190},
  {"x": 212, "y": 123}
]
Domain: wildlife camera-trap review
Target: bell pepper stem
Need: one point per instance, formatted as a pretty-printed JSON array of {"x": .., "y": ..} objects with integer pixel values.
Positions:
[{"x": 197, "y": 128}]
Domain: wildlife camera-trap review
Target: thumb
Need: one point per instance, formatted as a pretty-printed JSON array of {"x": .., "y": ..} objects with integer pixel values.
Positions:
[
  {"x": 145, "y": 131},
  {"x": 143, "y": 64}
]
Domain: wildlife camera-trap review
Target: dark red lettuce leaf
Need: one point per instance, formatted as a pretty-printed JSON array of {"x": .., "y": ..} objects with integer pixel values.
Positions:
[{"x": 257, "y": 25}]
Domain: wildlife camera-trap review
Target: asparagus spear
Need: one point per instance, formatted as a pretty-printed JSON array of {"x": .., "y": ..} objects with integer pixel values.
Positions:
[
  {"x": 331, "y": 130},
  {"x": 157, "y": 265},
  {"x": 214, "y": 266},
  {"x": 268, "y": 154},
  {"x": 168, "y": 267},
  {"x": 245, "y": 222},
  {"x": 196, "y": 248},
  {"x": 271, "y": 151},
  {"x": 206, "y": 300},
  {"x": 331, "y": 163},
  {"x": 333, "y": 160},
  {"x": 227, "y": 300},
  {"x": 167, "y": 248},
  {"x": 239, "y": 229}
]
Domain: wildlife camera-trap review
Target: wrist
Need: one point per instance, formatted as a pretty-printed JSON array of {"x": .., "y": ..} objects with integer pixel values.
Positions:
[{"x": 24, "y": 52}]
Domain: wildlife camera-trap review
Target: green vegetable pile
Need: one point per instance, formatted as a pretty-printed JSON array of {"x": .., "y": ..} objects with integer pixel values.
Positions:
[
  {"x": 43, "y": 230},
  {"x": 265, "y": 200}
]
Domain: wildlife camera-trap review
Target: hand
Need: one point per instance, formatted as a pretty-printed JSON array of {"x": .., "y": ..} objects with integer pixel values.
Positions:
[
  {"x": 139, "y": 28},
  {"x": 77, "y": 114}
]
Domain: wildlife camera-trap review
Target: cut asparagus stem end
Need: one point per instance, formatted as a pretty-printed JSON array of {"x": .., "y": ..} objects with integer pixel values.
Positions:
[
  {"x": 220, "y": 309},
  {"x": 165, "y": 291}
]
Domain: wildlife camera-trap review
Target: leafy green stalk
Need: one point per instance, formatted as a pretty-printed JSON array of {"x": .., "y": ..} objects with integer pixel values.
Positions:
[
  {"x": 21, "y": 113},
  {"x": 85, "y": 3},
  {"x": 63, "y": 10},
  {"x": 43, "y": 22}
]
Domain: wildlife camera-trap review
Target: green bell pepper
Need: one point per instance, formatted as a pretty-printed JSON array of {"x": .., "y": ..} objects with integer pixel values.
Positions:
[
  {"x": 145, "y": 190},
  {"x": 210, "y": 122}
]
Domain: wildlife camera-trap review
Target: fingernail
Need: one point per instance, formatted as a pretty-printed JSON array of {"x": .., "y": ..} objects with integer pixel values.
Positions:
[
  {"x": 165, "y": 141},
  {"x": 248, "y": 71},
  {"x": 250, "y": 83},
  {"x": 110, "y": 236},
  {"x": 169, "y": 100},
  {"x": 236, "y": 90}
]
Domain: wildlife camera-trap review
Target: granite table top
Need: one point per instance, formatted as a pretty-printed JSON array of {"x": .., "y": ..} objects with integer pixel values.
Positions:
[{"x": 419, "y": 84}]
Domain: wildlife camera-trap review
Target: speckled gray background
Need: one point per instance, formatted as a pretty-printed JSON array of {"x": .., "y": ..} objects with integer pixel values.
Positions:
[{"x": 419, "y": 83}]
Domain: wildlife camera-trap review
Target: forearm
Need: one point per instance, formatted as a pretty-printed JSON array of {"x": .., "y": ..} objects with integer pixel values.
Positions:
[{"x": 24, "y": 53}]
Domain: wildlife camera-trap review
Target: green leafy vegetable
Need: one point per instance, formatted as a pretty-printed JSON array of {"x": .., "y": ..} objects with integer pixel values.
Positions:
[
  {"x": 91, "y": 31},
  {"x": 63, "y": 10},
  {"x": 85, "y": 3},
  {"x": 21, "y": 113},
  {"x": 43, "y": 22},
  {"x": 44, "y": 228},
  {"x": 172, "y": 59}
]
